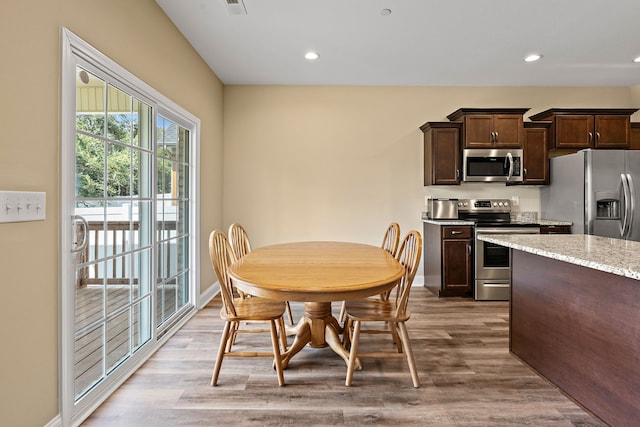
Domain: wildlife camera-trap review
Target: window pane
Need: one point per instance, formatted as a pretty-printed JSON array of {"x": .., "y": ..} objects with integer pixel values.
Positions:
[
  {"x": 141, "y": 324},
  {"x": 143, "y": 124},
  {"x": 117, "y": 339},
  {"x": 88, "y": 359},
  {"x": 142, "y": 173},
  {"x": 89, "y": 167},
  {"x": 183, "y": 145},
  {"x": 119, "y": 171},
  {"x": 182, "y": 181},
  {"x": 142, "y": 272},
  {"x": 119, "y": 122}
]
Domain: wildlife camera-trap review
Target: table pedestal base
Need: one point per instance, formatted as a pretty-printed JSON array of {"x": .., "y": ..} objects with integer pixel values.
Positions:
[{"x": 319, "y": 329}]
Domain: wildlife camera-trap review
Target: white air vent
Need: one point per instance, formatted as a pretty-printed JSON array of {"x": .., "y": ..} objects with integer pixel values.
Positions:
[{"x": 235, "y": 7}]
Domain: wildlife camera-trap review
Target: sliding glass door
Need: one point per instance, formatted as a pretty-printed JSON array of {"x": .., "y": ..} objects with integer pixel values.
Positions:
[{"x": 128, "y": 212}]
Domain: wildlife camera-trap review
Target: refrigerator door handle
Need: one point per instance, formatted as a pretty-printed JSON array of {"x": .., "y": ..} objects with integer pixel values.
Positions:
[
  {"x": 626, "y": 203},
  {"x": 631, "y": 203}
]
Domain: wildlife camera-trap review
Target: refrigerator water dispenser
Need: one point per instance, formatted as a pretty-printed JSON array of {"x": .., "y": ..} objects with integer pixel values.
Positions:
[{"x": 607, "y": 205}]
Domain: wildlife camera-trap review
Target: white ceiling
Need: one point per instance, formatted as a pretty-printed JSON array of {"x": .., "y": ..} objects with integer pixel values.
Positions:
[{"x": 421, "y": 43}]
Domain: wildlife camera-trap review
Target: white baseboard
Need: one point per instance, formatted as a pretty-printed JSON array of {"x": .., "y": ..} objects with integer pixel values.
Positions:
[
  {"x": 418, "y": 280},
  {"x": 56, "y": 422},
  {"x": 206, "y": 296}
]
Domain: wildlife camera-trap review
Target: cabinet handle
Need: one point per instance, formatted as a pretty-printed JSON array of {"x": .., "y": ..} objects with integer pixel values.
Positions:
[
  {"x": 525, "y": 172},
  {"x": 456, "y": 232},
  {"x": 590, "y": 137},
  {"x": 597, "y": 137},
  {"x": 457, "y": 173},
  {"x": 469, "y": 249},
  {"x": 496, "y": 133}
]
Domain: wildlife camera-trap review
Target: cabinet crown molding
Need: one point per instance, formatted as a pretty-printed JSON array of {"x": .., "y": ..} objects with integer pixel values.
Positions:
[
  {"x": 459, "y": 113},
  {"x": 587, "y": 111}
]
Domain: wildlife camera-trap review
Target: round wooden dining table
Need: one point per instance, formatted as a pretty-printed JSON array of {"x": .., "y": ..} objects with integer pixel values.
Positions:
[{"x": 316, "y": 273}]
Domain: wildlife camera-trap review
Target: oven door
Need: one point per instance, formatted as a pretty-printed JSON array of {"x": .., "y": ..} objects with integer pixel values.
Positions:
[{"x": 493, "y": 264}]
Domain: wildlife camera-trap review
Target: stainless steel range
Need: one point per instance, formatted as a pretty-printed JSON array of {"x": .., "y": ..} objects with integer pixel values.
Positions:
[{"x": 492, "y": 262}]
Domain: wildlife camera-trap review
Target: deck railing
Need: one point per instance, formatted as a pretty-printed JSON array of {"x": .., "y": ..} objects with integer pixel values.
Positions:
[{"x": 102, "y": 243}]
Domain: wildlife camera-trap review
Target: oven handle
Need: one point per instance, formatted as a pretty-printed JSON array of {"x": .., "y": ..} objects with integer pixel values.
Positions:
[{"x": 495, "y": 285}]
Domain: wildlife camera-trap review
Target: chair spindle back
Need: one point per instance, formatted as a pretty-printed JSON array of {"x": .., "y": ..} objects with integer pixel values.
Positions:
[{"x": 221, "y": 258}]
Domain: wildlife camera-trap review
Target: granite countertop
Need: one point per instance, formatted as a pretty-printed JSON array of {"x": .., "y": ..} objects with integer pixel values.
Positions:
[
  {"x": 617, "y": 256},
  {"x": 447, "y": 221},
  {"x": 547, "y": 222}
]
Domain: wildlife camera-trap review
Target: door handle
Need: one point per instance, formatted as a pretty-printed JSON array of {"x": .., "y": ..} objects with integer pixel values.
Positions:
[{"x": 85, "y": 233}]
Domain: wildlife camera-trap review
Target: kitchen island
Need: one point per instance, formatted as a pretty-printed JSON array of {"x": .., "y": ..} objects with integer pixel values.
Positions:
[{"x": 575, "y": 318}]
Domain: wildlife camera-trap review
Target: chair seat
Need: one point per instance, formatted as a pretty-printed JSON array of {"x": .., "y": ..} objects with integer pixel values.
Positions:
[
  {"x": 374, "y": 310},
  {"x": 254, "y": 309}
]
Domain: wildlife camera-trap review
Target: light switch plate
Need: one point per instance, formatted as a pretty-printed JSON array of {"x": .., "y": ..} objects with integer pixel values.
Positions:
[{"x": 19, "y": 206}]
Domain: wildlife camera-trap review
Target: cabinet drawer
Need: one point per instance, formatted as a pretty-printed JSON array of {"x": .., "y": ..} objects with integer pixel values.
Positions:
[
  {"x": 461, "y": 232},
  {"x": 555, "y": 229}
]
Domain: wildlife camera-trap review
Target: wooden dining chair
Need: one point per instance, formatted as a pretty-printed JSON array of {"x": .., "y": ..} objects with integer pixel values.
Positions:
[
  {"x": 392, "y": 313},
  {"x": 239, "y": 240},
  {"x": 390, "y": 243},
  {"x": 246, "y": 310}
]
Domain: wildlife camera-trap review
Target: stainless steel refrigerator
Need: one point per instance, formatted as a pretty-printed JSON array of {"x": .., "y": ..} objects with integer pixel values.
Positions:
[{"x": 597, "y": 191}]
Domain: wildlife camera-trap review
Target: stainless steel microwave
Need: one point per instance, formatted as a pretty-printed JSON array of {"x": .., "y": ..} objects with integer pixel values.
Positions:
[{"x": 492, "y": 165}]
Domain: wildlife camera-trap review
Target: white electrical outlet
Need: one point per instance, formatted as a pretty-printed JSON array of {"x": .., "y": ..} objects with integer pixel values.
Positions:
[{"x": 19, "y": 206}]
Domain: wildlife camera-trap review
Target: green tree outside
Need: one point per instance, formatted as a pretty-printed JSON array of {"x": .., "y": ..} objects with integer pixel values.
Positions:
[{"x": 122, "y": 162}]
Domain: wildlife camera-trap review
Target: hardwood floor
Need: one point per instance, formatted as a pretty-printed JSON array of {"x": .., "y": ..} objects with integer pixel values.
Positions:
[{"x": 461, "y": 347}]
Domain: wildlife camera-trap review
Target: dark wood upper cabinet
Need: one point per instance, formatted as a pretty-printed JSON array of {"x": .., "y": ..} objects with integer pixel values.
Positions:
[
  {"x": 490, "y": 128},
  {"x": 635, "y": 136},
  {"x": 535, "y": 153},
  {"x": 576, "y": 129},
  {"x": 441, "y": 153}
]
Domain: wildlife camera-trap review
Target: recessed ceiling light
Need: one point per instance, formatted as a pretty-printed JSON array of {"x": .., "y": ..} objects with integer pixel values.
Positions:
[
  {"x": 533, "y": 57},
  {"x": 637, "y": 59},
  {"x": 311, "y": 56},
  {"x": 385, "y": 12}
]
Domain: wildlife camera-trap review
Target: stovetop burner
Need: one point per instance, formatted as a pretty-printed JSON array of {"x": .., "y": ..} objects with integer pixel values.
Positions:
[{"x": 489, "y": 213}]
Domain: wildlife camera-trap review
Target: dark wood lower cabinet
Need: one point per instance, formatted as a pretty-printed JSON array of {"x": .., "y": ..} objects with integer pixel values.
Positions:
[
  {"x": 448, "y": 261},
  {"x": 580, "y": 329}
]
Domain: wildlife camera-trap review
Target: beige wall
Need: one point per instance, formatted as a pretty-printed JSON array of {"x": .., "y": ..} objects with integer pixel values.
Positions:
[
  {"x": 342, "y": 162},
  {"x": 138, "y": 36},
  {"x": 635, "y": 102}
]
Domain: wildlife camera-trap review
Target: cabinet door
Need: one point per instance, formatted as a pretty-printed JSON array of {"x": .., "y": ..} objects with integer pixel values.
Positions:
[
  {"x": 536, "y": 160},
  {"x": 508, "y": 130},
  {"x": 442, "y": 167},
  {"x": 574, "y": 131},
  {"x": 456, "y": 259},
  {"x": 478, "y": 131},
  {"x": 635, "y": 136},
  {"x": 612, "y": 131}
]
